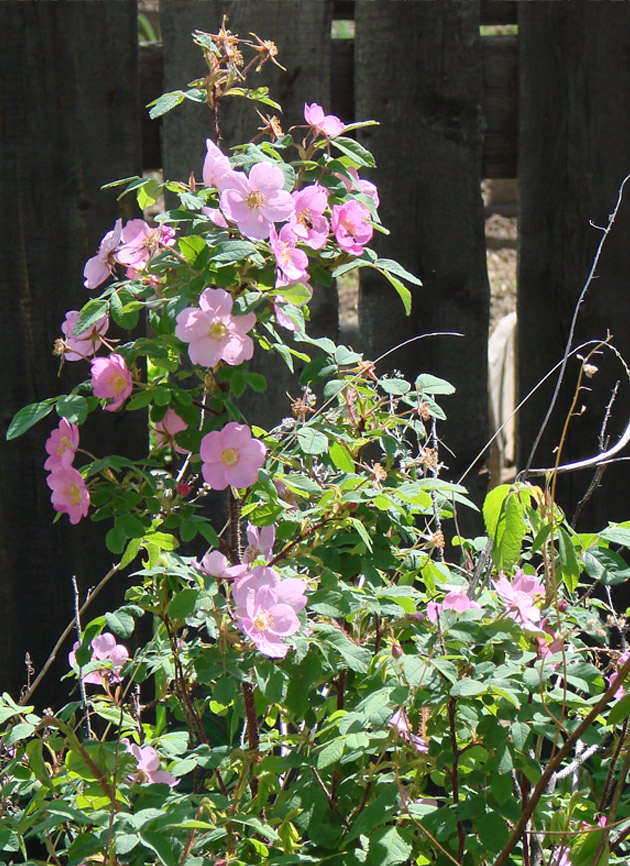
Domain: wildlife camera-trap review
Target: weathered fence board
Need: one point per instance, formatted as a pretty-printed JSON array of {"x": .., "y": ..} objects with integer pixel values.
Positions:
[
  {"x": 428, "y": 152},
  {"x": 69, "y": 123},
  {"x": 574, "y": 151},
  {"x": 306, "y": 79}
]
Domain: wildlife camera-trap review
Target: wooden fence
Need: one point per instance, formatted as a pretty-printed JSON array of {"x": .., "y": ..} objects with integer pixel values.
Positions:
[{"x": 548, "y": 105}]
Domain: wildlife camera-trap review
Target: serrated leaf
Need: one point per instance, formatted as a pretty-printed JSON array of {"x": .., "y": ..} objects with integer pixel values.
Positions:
[
  {"x": 165, "y": 102},
  {"x": 354, "y": 150},
  {"x": 331, "y": 753},
  {"x": 433, "y": 384},
  {"x": 94, "y": 310},
  {"x": 35, "y": 754},
  {"x": 312, "y": 441},
  {"x": 183, "y": 604},
  {"x": 388, "y": 845},
  {"x": 467, "y": 688},
  {"x": 74, "y": 408},
  {"x": 356, "y": 657},
  {"x": 341, "y": 457},
  {"x": 606, "y": 566},
  {"x": 403, "y": 291},
  {"x": 120, "y": 622},
  {"x": 398, "y": 270},
  {"x": 28, "y": 416}
]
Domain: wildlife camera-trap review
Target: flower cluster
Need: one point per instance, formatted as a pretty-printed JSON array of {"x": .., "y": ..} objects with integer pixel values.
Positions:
[{"x": 69, "y": 493}]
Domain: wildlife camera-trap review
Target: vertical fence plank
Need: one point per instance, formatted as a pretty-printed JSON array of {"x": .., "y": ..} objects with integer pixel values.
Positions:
[
  {"x": 301, "y": 30},
  {"x": 573, "y": 153},
  {"x": 418, "y": 72},
  {"x": 69, "y": 123}
]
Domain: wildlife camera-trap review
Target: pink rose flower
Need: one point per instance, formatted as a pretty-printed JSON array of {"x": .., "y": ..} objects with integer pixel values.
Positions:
[
  {"x": 104, "y": 649},
  {"x": 148, "y": 769},
  {"x": 350, "y": 226},
  {"x": 400, "y": 723},
  {"x": 62, "y": 445},
  {"x": 254, "y": 203},
  {"x": 260, "y": 542},
  {"x": 328, "y": 124},
  {"x": 267, "y": 607},
  {"x": 140, "y": 242},
  {"x": 216, "y": 564},
  {"x": 454, "y": 600},
  {"x": 213, "y": 333},
  {"x": 231, "y": 456},
  {"x": 215, "y": 165},
  {"x": 99, "y": 267},
  {"x": 361, "y": 184},
  {"x": 215, "y": 216},
  {"x": 111, "y": 380},
  {"x": 308, "y": 222},
  {"x": 167, "y": 428},
  {"x": 521, "y": 597},
  {"x": 69, "y": 493},
  {"x": 87, "y": 343},
  {"x": 291, "y": 263}
]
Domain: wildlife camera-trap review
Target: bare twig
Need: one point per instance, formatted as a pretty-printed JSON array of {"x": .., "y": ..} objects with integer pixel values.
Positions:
[
  {"x": 77, "y": 622},
  {"x": 53, "y": 655},
  {"x": 567, "y": 352}
]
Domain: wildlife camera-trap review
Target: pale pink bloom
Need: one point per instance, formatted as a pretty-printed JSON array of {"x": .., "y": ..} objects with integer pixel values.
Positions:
[
  {"x": 521, "y": 597},
  {"x": 231, "y": 456},
  {"x": 215, "y": 216},
  {"x": 99, "y": 267},
  {"x": 260, "y": 542},
  {"x": 308, "y": 222},
  {"x": 62, "y": 445},
  {"x": 350, "y": 226},
  {"x": 216, "y": 564},
  {"x": 400, "y": 723},
  {"x": 454, "y": 600},
  {"x": 291, "y": 263},
  {"x": 167, "y": 428},
  {"x": 111, "y": 380},
  {"x": 213, "y": 333},
  {"x": 104, "y": 649},
  {"x": 215, "y": 165},
  {"x": 87, "y": 342},
  {"x": 361, "y": 184},
  {"x": 69, "y": 493},
  {"x": 140, "y": 242},
  {"x": 266, "y": 609},
  {"x": 254, "y": 203},
  {"x": 328, "y": 124},
  {"x": 561, "y": 857},
  {"x": 148, "y": 769}
]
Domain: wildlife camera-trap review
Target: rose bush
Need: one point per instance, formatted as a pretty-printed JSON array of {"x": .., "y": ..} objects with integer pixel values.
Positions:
[{"x": 323, "y": 682}]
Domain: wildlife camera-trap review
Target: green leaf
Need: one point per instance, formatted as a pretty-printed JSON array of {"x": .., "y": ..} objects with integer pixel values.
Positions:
[
  {"x": 312, "y": 441},
  {"x": 165, "y": 103},
  {"x": 28, "y": 416},
  {"x": 120, "y": 622},
  {"x": 394, "y": 268},
  {"x": 388, "y": 845},
  {"x": 34, "y": 752},
  {"x": 433, "y": 385},
  {"x": 125, "y": 313},
  {"x": 467, "y": 688},
  {"x": 396, "y": 387},
  {"x": 183, "y": 604},
  {"x": 569, "y": 565},
  {"x": 74, "y": 408},
  {"x": 256, "y": 381},
  {"x": 297, "y": 294},
  {"x": 503, "y": 515},
  {"x": 354, "y": 150},
  {"x": 91, "y": 313},
  {"x": 331, "y": 753},
  {"x": 403, "y": 291},
  {"x": 356, "y": 657},
  {"x": 160, "y": 845},
  {"x": 606, "y": 566},
  {"x": 341, "y": 457},
  {"x": 616, "y": 535}
]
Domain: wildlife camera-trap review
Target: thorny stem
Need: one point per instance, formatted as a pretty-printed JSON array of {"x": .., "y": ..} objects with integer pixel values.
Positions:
[
  {"x": 235, "y": 524},
  {"x": 252, "y": 731},
  {"x": 77, "y": 620},
  {"x": 612, "y": 809},
  {"x": 611, "y": 769}
]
